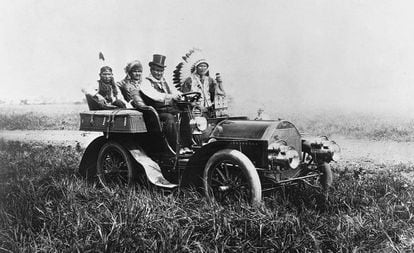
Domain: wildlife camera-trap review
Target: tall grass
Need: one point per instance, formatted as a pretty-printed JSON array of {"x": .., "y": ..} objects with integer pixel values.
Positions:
[{"x": 44, "y": 207}]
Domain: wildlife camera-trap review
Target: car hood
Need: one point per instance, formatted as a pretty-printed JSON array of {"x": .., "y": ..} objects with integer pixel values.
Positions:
[{"x": 249, "y": 129}]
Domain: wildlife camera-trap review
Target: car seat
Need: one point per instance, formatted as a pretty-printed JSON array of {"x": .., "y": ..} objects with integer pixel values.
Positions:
[{"x": 92, "y": 103}]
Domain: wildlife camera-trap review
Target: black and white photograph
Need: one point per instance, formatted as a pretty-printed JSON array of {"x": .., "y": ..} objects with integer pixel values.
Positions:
[{"x": 207, "y": 126}]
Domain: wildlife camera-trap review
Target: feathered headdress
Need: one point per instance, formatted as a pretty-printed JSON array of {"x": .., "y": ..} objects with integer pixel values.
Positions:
[{"x": 184, "y": 69}]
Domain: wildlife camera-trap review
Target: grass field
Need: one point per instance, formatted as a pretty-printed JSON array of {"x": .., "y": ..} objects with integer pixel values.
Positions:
[
  {"x": 372, "y": 126},
  {"x": 40, "y": 117},
  {"x": 44, "y": 207}
]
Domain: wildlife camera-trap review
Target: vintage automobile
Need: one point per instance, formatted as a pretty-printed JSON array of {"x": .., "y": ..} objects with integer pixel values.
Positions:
[{"x": 234, "y": 158}]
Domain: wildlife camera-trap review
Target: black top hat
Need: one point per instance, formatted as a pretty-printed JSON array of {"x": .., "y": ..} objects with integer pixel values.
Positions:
[{"x": 158, "y": 60}]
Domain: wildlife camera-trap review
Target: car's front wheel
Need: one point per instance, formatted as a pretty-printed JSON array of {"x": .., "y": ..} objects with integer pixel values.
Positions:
[
  {"x": 230, "y": 176},
  {"x": 114, "y": 165}
]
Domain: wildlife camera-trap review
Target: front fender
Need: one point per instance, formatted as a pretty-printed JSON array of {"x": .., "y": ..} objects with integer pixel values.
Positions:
[
  {"x": 151, "y": 168},
  {"x": 193, "y": 172}
]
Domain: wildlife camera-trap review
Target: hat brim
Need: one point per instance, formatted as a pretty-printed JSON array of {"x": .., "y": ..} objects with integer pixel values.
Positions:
[{"x": 155, "y": 64}]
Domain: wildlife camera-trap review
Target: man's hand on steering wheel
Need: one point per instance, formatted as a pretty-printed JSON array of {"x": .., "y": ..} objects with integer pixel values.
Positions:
[
  {"x": 191, "y": 96},
  {"x": 176, "y": 97}
]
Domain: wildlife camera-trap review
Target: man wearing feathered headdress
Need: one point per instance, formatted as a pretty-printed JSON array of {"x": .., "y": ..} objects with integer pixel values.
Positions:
[{"x": 200, "y": 81}]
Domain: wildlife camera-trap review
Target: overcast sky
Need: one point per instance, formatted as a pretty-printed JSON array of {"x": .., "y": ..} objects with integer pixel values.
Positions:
[{"x": 348, "y": 54}]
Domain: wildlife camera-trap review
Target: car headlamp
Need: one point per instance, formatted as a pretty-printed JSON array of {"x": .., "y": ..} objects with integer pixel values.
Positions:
[
  {"x": 293, "y": 157},
  {"x": 200, "y": 123},
  {"x": 334, "y": 149},
  {"x": 277, "y": 146},
  {"x": 324, "y": 145},
  {"x": 275, "y": 152},
  {"x": 281, "y": 153}
]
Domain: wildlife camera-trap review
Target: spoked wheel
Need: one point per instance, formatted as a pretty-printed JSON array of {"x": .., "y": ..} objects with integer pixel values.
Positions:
[
  {"x": 114, "y": 165},
  {"x": 230, "y": 176}
]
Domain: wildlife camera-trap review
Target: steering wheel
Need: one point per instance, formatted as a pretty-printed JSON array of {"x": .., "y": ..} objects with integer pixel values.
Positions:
[{"x": 191, "y": 96}]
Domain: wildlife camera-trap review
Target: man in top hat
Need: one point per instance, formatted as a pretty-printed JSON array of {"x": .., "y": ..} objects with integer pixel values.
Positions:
[
  {"x": 156, "y": 88},
  {"x": 158, "y": 94}
]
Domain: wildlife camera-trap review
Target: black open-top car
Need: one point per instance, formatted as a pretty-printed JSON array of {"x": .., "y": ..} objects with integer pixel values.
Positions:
[{"x": 234, "y": 157}]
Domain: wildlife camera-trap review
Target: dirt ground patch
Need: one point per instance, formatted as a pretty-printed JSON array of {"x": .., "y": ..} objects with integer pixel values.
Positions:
[{"x": 53, "y": 137}]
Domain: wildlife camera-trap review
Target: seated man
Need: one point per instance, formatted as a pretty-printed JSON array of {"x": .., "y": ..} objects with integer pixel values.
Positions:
[
  {"x": 209, "y": 88},
  {"x": 130, "y": 85},
  {"x": 108, "y": 94},
  {"x": 158, "y": 94}
]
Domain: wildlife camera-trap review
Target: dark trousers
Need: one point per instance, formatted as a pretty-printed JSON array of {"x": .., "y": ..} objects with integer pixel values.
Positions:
[
  {"x": 169, "y": 127},
  {"x": 185, "y": 130}
]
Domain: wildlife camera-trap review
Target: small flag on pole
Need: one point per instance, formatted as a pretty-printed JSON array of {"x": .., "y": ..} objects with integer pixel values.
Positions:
[{"x": 101, "y": 56}]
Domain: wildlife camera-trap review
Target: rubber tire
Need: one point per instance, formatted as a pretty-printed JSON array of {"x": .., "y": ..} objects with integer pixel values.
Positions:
[
  {"x": 125, "y": 155},
  {"x": 327, "y": 177},
  {"x": 247, "y": 167}
]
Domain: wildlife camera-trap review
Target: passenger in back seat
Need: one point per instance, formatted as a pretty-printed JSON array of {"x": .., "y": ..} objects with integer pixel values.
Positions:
[
  {"x": 108, "y": 94},
  {"x": 130, "y": 85}
]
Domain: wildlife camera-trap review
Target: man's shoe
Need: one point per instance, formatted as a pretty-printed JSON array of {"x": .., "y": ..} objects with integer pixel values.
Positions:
[
  {"x": 182, "y": 151},
  {"x": 188, "y": 151}
]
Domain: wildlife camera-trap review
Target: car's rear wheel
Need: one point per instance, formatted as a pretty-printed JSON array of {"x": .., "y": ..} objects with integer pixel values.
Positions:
[
  {"x": 114, "y": 165},
  {"x": 230, "y": 176}
]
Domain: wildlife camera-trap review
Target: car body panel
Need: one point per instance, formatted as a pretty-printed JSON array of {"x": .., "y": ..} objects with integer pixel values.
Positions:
[{"x": 141, "y": 134}]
